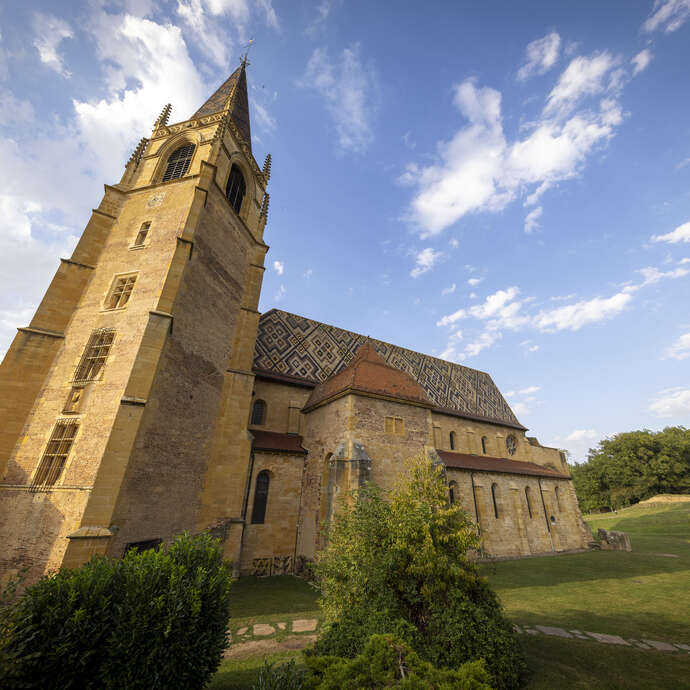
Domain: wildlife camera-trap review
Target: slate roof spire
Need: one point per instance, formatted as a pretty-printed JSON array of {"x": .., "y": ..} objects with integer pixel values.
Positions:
[{"x": 231, "y": 97}]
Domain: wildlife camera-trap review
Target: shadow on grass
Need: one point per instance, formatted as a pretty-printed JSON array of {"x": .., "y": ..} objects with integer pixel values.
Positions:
[{"x": 278, "y": 595}]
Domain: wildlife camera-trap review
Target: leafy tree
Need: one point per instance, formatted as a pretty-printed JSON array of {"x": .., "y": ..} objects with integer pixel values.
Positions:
[
  {"x": 396, "y": 562},
  {"x": 633, "y": 466}
]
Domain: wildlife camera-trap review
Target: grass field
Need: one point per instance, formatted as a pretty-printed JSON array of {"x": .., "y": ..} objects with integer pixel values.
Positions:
[{"x": 639, "y": 594}]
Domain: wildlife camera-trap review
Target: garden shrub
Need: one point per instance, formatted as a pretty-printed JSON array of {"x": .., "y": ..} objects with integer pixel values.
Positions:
[
  {"x": 150, "y": 620},
  {"x": 396, "y": 562},
  {"x": 282, "y": 677}
]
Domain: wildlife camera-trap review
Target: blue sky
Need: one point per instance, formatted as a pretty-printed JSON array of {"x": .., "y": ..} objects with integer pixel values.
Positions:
[{"x": 506, "y": 185}]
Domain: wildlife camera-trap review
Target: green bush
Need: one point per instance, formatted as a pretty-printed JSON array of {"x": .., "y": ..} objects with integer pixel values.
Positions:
[
  {"x": 387, "y": 661},
  {"x": 283, "y": 677},
  {"x": 396, "y": 562},
  {"x": 149, "y": 620}
]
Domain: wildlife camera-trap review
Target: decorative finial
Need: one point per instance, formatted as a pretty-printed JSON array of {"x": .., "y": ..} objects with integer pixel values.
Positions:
[
  {"x": 244, "y": 62},
  {"x": 267, "y": 167},
  {"x": 264, "y": 206},
  {"x": 163, "y": 117},
  {"x": 138, "y": 153}
]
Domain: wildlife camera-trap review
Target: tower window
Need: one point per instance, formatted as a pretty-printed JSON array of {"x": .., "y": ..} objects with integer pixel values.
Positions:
[
  {"x": 484, "y": 445},
  {"x": 451, "y": 492},
  {"x": 178, "y": 163},
  {"x": 121, "y": 292},
  {"x": 236, "y": 188},
  {"x": 529, "y": 501},
  {"x": 494, "y": 496},
  {"x": 258, "y": 412},
  {"x": 394, "y": 425},
  {"x": 452, "y": 440},
  {"x": 142, "y": 235},
  {"x": 260, "y": 498},
  {"x": 74, "y": 400},
  {"x": 95, "y": 354},
  {"x": 56, "y": 452}
]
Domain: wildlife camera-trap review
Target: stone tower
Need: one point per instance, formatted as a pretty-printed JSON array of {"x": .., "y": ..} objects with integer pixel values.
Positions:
[{"x": 125, "y": 401}]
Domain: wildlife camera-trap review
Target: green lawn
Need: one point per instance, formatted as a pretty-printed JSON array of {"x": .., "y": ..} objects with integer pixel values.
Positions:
[{"x": 638, "y": 594}]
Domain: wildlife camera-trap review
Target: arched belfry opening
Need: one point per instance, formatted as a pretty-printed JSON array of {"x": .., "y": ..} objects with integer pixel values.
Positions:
[
  {"x": 178, "y": 162},
  {"x": 236, "y": 188}
]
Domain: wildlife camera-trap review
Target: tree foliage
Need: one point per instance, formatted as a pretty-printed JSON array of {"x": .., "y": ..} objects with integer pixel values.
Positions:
[
  {"x": 397, "y": 563},
  {"x": 149, "y": 620},
  {"x": 633, "y": 466}
]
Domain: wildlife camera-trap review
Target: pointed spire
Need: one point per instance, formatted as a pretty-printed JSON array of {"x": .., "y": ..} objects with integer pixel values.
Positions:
[
  {"x": 267, "y": 167},
  {"x": 138, "y": 153},
  {"x": 264, "y": 206},
  {"x": 231, "y": 96},
  {"x": 163, "y": 117}
]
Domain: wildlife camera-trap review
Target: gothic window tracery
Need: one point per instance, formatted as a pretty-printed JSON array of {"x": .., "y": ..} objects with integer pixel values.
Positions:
[{"x": 179, "y": 161}]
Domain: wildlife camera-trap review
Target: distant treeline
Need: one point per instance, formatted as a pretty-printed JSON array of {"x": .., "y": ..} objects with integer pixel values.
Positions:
[{"x": 633, "y": 466}]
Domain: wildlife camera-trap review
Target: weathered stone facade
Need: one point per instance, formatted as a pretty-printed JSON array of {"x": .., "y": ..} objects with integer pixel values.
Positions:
[{"x": 164, "y": 434}]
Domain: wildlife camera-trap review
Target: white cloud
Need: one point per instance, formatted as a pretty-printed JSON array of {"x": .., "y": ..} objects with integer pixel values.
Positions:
[
  {"x": 680, "y": 349},
  {"x": 280, "y": 293},
  {"x": 641, "y": 60},
  {"x": 520, "y": 409},
  {"x": 582, "y": 434},
  {"x": 348, "y": 90},
  {"x": 667, "y": 15},
  {"x": 530, "y": 390},
  {"x": 532, "y": 220},
  {"x": 673, "y": 402},
  {"x": 541, "y": 56},
  {"x": 308, "y": 273},
  {"x": 14, "y": 110},
  {"x": 533, "y": 348},
  {"x": 680, "y": 234},
  {"x": 323, "y": 10},
  {"x": 653, "y": 275},
  {"x": 262, "y": 116},
  {"x": 49, "y": 33},
  {"x": 473, "y": 282},
  {"x": 500, "y": 309},
  {"x": 683, "y": 163},
  {"x": 454, "y": 243},
  {"x": 449, "y": 290},
  {"x": 574, "y": 316},
  {"x": 279, "y": 267},
  {"x": 425, "y": 260},
  {"x": 485, "y": 340},
  {"x": 480, "y": 170}
]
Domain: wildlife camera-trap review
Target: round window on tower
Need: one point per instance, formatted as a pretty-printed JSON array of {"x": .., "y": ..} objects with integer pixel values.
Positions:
[{"x": 511, "y": 444}]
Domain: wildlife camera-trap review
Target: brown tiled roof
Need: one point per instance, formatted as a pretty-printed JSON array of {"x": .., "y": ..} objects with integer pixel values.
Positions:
[
  {"x": 276, "y": 442},
  {"x": 483, "y": 463},
  {"x": 369, "y": 373}
]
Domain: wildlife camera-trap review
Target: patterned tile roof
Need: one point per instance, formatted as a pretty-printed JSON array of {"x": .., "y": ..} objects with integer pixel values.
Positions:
[
  {"x": 294, "y": 346},
  {"x": 483, "y": 463},
  {"x": 368, "y": 373}
]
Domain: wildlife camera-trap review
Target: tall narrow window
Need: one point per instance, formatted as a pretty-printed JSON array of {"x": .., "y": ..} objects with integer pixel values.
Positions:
[
  {"x": 95, "y": 354},
  {"x": 494, "y": 496},
  {"x": 235, "y": 189},
  {"x": 258, "y": 412},
  {"x": 120, "y": 292},
  {"x": 452, "y": 488},
  {"x": 528, "y": 499},
  {"x": 558, "y": 499},
  {"x": 260, "y": 498},
  {"x": 452, "y": 440},
  {"x": 178, "y": 163},
  {"x": 142, "y": 235},
  {"x": 484, "y": 445},
  {"x": 56, "y": 452}
]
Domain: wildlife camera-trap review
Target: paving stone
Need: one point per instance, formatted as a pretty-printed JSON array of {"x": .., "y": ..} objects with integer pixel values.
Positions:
[
  {"x": 304, "y": 625},
  {"x": 241, "y": 631},
  {"x": 639, "y": 644},
  {"x": 529, "y": 631},
  {"x": 661, "y": 646},
  {"x": 684, "y": 647},
  {"x": 556, "y": 632},
  {"x": 281, "y": 626},
  {"x": 608, "y": 639},
  {"x": 517, "y": 629},
  {"x": 263, "y": 629}
]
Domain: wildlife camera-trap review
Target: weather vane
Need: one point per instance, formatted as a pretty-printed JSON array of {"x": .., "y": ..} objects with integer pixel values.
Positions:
[{"x": 246, "y": 52}]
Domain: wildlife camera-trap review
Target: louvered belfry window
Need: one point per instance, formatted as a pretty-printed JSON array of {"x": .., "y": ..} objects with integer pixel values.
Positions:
[
  {"x": 236, "y": 188},
  {"x": 56, "y": 452},
  {"x": 179, "y": 161},
  {"x": 95, "y": 354}
]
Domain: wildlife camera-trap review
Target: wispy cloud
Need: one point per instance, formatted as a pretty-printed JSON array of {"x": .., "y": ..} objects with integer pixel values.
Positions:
[
  {"x": 680, "y": 348},
  {"x": 541, "y": 56},
  {"x": 532, "y": 220},
  {"x": 680, "y": 234},
  {"x": 279, "y": 267},
  {"x": 425, "y": 260},
  {"x": 673, "y": 402},
  {"x": 641, "y": 60},
  {"x": 449, "y": 290},
  {"x": 582, "y": 434},
  {"x": 49, "y": 33},
  {"x": 667, "y": 15}
]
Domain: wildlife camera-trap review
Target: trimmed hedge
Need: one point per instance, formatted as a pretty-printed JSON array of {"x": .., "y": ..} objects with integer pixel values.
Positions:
[{"x": 156, "y": 619}]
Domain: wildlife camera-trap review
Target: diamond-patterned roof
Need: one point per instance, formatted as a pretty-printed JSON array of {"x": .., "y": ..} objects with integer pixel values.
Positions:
[{"x": 294, "y": 346}]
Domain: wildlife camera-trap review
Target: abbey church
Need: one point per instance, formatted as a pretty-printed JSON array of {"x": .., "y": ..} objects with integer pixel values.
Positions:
[{"x": 148, "y": 396}]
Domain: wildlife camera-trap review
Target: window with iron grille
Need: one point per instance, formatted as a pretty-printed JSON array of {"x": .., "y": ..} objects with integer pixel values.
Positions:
[
  {"x": 178, "y": 163},
  {"x": 96, "y": 352},
  {"x": 141, "y": 235},
  {"x": 235, "y": 189},
  {"x": 56, "y": 452},
  {"x": 120, "y": 292}
]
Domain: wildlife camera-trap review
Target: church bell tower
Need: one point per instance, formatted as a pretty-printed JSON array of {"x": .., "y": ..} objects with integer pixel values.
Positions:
[{"x": 125, "y": 401}]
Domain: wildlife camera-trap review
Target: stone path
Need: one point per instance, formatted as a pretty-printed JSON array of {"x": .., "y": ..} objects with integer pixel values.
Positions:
[
  {"x": 263, "y": 630},
  {"x": 647, "y": 645}
]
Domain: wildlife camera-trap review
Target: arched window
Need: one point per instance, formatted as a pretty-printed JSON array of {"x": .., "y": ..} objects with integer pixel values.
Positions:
[
  {"x": 452, "y": 440},
  {"x": 494, "y": 496},
  {"x": 452, "y": 487},
  {"x": 179, "y": 161},
  {"x": 529, "y": 501},
  {"x": 260, "y": 498},
  {"x": 236, "y": 188},
  {"x": 484, "y": 445},
  {"x": 558, "y": 500},
  {"x": 258, "y": 412}
]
